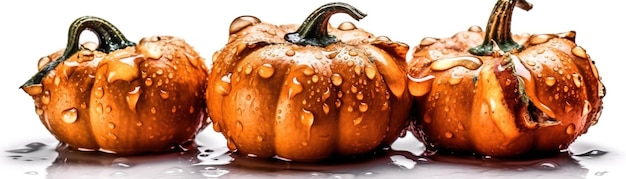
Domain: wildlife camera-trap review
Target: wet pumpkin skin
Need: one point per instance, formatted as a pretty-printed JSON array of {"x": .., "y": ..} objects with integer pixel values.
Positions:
[
  {"x": 525, "y": 95},
  {"x": 119, "y": 96},
  {"x": 271, "y": 97}
]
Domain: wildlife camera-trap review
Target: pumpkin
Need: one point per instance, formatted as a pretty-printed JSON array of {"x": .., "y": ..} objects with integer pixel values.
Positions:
[
  {"x": 308, "y": 92},
  {"x": 119, "y": 96},
  {"x": 503, "y": 95}
]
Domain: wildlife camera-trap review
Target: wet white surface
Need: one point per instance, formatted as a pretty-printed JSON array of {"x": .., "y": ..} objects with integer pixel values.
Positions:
[{"x": 31, "y": 29}]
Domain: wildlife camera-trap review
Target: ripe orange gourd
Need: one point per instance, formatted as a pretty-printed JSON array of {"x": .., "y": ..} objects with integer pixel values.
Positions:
[
  {"x": 308, "y": 92},
  {"x": 497, "y": 94},
  {"x": 119, "y": 96}
]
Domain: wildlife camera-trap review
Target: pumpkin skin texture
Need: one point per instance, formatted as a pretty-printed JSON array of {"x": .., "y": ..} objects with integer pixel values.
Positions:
[
  {"x": 502, "y": 95},
  {"x": 307, "y": 102},
  {"x": 119, "y": 96}
]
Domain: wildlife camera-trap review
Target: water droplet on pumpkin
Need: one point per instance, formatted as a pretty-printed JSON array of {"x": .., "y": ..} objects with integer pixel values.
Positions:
[
  {"x": 449, "y": 134},
  {"x": 231, "y": 144},
  {"x": 550, "y": 81},
  {"x": 370, "y": 72},
  {"x": 359, "y": 95},
  {"x": 290, "y": 53},
  {"x": 471, "y": 63},
  {"x": 570, "y": 129},
  {"x": 307, "y": 118},
  {"x": 315, "y": 78},
  {"x": 531, "y": 62},
  {"x": 99, "y": 92},
  {"x": 248, "y": 69},
  {"x": 153, "y": 110},
  {"x": 45, "y": 99},
  {"x": 326, "y": 108},
  {"x": 337, "y": 103},
  {"x": 223, "y": 86},
  {"x": 295, "y": 88},
  {"x": 350, "y": 63},
  {"x": 70, "y": 115},
  {"x": 111, "y": 125},
  {"x": 357, "y": 120},
  {"x": 113, "y": 136},
  {"x": 354, "y": 89},
  {"x": 385, "y": 106},
  {"x": 239, "y": 126},
  {"x": 108, "y": 109},
  {"x": 266, "y": 70},
  {"x": 460, "y": 126},
  {"x": 308, "y": 71},
  {"x": 428, "y": 41},
  {"x": 579, "y": 52},
  {"x": 539, "y": 39},
  {"x": 39, "y": 111},
  {"x": 586, "y": 108},
  {"x": 148, "y": 82},
  {"x": 242, "y": 22},
  {"x": 42, "y": 62},
  {"x": 353, "y": 53},
  {"x": 164, "y": 94},
  {"x": 336, "y": 79},
  {"x": 475, "y": 28},
  {"x": 363, "y": 107},
  {"x": 346, "y": 26},
  {"x": 420, "y": 86},
  {"x": 99, "y": 108},
  {"x": 577, "y": 79},
  {"x": 133, "y": 97}
]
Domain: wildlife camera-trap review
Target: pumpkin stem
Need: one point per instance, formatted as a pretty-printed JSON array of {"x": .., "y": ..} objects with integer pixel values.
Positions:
[
  {"x": 314, "y": 30},
  {"x": 109, "y": 39},
  {"x": 499, "y": 28}
]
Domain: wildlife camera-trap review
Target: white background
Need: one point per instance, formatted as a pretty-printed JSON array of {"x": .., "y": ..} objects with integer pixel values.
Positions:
[{"x": 30, "y": 29}]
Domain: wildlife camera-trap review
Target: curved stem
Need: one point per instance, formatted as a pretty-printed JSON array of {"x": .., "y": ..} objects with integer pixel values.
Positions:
[
  {"x": 314, "y": 30},
  {"x": 109, "y": 39},
  {"x": 499, "y": 28}
]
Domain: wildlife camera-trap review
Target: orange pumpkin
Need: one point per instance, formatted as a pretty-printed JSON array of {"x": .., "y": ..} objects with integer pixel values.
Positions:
[
  {"x": 118, "y": 96},
  {"x": 308, "y": 93},
  {"x": 497, "y": 94}
]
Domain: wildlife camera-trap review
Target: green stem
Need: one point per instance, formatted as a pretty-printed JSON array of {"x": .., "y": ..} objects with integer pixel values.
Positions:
[
  {"x": 109, "y": 39},
  {"x": 314, "y": 30},
  {"x": 499, "y": 28}
]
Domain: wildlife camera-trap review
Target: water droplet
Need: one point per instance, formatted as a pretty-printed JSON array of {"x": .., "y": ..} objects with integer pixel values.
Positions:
[
  {"x": 133, "y": 97},
  {"x": 531, "y": 62},
  {"x": 385, "y": 106},
  {"x": 70, "y": 115},
  {"x": 212, "y": 172},
  {"x": 99, "y": 92},
  {"x": 449, "y": 134},
  {"x": 370, "y": 72},
  {"x": 223, "y": 86},
  {"x": 148, "y": 82},
  {"x": 239, "y": 126},
  {"x": 471, "y": 63},
  {"x": 353, "y": 89},
  {"x": 111, "y": 125},
  {"x": 353, "y": 53},
  {"x": 153, "y": 110},
  {"x": 266, "y": 71},
  {"x": 164, "y": 94},
  {"x": 428, "y": 41},
  {"x": 579, "y": 52},
  {"x": 346, "y": 26},
  {"x": 336, "y": 79},
  {"x": 475, "y": 28},
  {"x": 39, "y": 111},
  {"x": 454, "y": 79},
  {"x": 139, "y": 123},
  {"x": 45, "y": 99},
  {"x": 420, "y": 86},
  {"x": 570, "y": 129},
  {"x": 460, "y": 126},
  {"x": 565, "y": 89},
  {"x": 577, "y": 79},
  {"x": 295, "y": 88},
  {"x": 550, "y": 81},
  {"x": 259, "y": 138},
  {"x": 357, "y": 120},
  {"x": 539, "y": 39},
  {"x": 307, "y": 118},
  {"x": 541, "y": 51},
  {"x": 326, "y": 108},
  {"x": 99, "y": 108},
  {"x": 290, "y": 53},
  {"x": 586, "y": 108},
  {"x": 113, "y": 136},
  {"x": 242, "y": 22},
  {"x": 363, "y": 107},
  {"x": 338, "y": 103},
  {"x": 359, "y": 95},
  {"x": 57, "y": 80},
  {"x": 170, "y": 75},
  {"x": 350, "y": 63}
]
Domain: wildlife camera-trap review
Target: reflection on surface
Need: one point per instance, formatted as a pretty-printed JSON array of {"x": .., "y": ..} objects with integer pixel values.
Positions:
[{"x": 205, "y": 161}]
